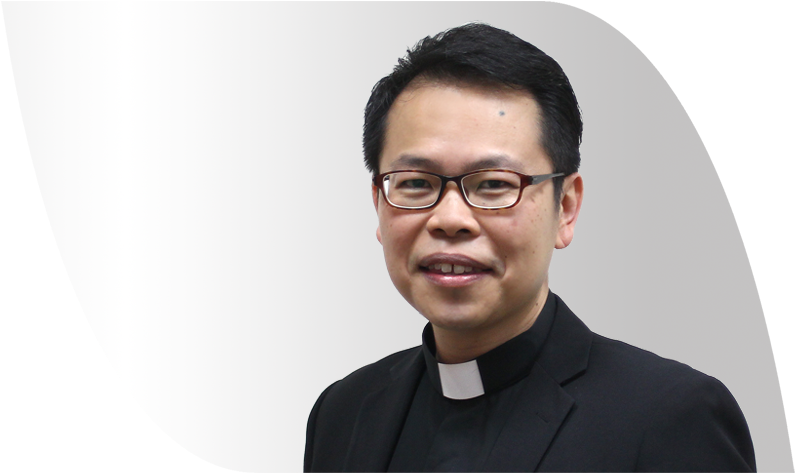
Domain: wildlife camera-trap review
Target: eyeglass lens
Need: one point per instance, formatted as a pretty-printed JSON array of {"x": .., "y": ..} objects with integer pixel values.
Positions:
[{"x": 489, "y": 189}]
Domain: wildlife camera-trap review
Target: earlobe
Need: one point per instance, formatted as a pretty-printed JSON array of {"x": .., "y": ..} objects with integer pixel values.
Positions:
[
  {"x": 570, "y": 204},
  {"x": 378, "y": 233}
]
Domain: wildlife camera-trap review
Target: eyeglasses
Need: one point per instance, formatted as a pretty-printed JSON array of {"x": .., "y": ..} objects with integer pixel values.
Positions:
[{"x": 489, "y": 189}]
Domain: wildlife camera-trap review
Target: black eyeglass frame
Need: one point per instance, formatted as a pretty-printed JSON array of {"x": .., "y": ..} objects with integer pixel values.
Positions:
[{"x": 526, "y": 180}]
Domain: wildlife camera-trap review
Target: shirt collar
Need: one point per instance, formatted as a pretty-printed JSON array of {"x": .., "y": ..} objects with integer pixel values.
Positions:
[{"x": 493, "y": 370}]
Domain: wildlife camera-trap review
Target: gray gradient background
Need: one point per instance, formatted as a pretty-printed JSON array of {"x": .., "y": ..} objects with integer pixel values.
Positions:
[{"x": 167, "y": 139}]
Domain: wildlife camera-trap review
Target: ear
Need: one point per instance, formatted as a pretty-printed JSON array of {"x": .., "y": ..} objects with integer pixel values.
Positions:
[
  {"x": 570, "y": 203},
  {"x": 375, "y": 203}
]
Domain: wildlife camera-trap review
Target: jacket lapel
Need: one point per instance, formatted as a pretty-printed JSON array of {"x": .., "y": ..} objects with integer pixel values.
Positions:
[
  {"x": 543, "y": 404},
  {"x": 535, "y": 419},
  {"x": 381, "y": 418}
]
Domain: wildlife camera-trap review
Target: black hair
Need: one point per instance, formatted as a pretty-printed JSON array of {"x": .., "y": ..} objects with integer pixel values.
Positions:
[{"x": 482, "y": 55}]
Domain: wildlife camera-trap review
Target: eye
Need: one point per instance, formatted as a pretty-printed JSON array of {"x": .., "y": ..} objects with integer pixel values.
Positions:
[
  {"x": 495, "y": 184},
  {"x": 414, "y": 184}
]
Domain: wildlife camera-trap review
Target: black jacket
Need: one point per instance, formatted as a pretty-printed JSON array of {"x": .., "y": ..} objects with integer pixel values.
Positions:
[{"x": 592, "y": 404}]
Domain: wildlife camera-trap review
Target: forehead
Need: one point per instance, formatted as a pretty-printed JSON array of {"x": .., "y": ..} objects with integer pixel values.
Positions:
[{"x": 457, "y": 128}]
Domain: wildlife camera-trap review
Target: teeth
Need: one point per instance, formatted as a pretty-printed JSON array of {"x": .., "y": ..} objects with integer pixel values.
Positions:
[{"x": 451, "y": 268}]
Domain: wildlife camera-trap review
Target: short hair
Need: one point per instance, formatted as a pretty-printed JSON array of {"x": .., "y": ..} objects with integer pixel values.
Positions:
[{"x": 482, "y": 55}]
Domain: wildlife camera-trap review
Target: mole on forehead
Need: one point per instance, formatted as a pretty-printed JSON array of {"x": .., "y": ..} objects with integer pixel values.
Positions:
[{"x": 502, "y": 113}]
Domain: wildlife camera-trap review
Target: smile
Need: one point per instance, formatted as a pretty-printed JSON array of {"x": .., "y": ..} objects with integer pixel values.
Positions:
[
  {"x": 446, "y": 268},
  {"x": 452, "y": 270}
]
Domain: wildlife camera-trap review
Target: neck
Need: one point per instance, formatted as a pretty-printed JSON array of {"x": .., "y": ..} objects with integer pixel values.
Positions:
[{"x": 459, "y": 346}]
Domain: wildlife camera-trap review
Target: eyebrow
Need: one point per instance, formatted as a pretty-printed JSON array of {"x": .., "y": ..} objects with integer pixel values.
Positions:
[{"x": 501, "y": 161}]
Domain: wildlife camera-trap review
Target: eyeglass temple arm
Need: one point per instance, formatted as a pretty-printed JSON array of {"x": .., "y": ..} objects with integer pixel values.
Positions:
[{"x": 543, "y": 177}]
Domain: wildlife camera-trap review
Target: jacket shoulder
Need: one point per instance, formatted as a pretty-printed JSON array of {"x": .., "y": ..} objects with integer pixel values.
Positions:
[
  {"x": 345, "y": 395},
  {"x": 640, "y": 378},
  {"x": 332, "y": 421},
  {"x": 659, "y": 406},
  {"x": 371, "y": 377},
  {"x": 642, "y": 365}
]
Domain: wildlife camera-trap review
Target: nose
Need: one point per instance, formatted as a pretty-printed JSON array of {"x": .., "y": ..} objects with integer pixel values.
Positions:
[{"x": 452, "y": 216}]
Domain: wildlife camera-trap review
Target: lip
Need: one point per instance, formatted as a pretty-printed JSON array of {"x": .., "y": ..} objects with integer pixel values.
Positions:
[
  {"x": 452, "y": 258},
  {"x": 452, "y": 279}
]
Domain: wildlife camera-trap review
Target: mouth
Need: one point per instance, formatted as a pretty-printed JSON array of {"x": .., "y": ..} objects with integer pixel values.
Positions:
[
  {"x": 452, "y": 270},
  {"x": 447, "y": 268}
]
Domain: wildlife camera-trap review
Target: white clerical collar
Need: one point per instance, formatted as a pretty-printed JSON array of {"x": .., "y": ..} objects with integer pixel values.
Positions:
[
  {"x": 461, "y": 380},
  {"x": 493, "y": 370}
]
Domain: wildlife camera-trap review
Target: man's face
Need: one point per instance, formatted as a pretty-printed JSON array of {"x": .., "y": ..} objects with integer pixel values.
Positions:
[{"x": 451, "y": 130}]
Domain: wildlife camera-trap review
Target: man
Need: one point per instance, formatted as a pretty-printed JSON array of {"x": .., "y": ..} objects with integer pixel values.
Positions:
[{"x": 473, "y": 142}]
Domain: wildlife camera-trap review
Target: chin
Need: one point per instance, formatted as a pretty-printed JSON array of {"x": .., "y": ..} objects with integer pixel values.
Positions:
[{"x": 457, "y": 321}]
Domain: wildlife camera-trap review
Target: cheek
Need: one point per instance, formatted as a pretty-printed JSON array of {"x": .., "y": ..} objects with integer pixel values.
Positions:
[
  {"x": 398, "y": 236},
  {"x": 525, "y": 240}
]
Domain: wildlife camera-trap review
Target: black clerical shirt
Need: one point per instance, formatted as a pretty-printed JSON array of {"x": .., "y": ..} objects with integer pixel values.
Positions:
[{"x": 449, "y": 430}]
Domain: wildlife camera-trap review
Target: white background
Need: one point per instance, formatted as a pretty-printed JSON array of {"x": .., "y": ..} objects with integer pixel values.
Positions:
[{"x": 183, "y": 153}]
